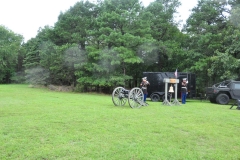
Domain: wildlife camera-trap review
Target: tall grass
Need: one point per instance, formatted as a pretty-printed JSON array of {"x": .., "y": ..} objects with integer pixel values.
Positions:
[{"x": 36, "y": 123}]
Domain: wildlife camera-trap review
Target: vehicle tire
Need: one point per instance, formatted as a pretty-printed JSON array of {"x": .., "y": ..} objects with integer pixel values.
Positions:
[
  {"x": 212, "y": 100},
  {"x": 163, "y": 98},
  {"x": 155, "y": 97},
  {"x": 222, "y": 99}
]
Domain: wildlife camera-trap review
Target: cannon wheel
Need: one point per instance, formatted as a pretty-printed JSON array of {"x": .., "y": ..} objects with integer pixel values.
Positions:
[
  {"x": 118, "y": 97},
  {"x": 135, "y": 98}
]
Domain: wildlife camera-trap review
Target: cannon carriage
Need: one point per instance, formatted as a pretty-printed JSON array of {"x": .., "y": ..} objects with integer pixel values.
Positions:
[{"x": 134, "y": 97}]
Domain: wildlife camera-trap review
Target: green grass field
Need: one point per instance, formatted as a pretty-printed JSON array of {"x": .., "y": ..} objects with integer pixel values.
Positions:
[{"x": 36, "y": 123}]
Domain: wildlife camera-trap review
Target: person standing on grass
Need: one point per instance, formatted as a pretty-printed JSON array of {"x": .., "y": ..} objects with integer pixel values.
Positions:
[
  {"x": 184, "y": 90},
  {"x": 144, "y": 85}
]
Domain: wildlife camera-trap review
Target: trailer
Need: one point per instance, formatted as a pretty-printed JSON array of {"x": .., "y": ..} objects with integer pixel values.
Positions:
[{"x": 156, "y": 89}]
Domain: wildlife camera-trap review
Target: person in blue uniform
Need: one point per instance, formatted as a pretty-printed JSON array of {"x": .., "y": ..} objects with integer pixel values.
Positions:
[{"x": 184, "y": 90}]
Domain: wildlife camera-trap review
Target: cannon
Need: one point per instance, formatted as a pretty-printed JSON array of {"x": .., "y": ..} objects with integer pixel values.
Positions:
[{"x": 134, "y": 97}]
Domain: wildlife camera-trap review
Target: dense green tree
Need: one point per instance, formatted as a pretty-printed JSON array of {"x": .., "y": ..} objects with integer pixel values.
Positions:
[
  {"x": 54, "y": 62},
  {"x": 226, "y": 64},
  {"x": 234, "y": 29},
  {"x": 10, "y": 44},
  {"x": 32, "y": 58},
  {"x": 35, "y": 72},
  {"x": 112, "y": 42},
  {"x": 19, "y": 76},
  {"x": 72, "y": 25},
  {"x": 74, "y": 59},
  {"x": 164, "y": 30},
  {"x": 115, "y": 41},
  {"x": 205, "y": 27},
  {"x": 34, "y": 45},
  {"x": 118, "y": 32}
]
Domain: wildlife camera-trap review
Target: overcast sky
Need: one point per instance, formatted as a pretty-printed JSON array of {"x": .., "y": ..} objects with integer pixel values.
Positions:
[{"x": 25, "y": 17}]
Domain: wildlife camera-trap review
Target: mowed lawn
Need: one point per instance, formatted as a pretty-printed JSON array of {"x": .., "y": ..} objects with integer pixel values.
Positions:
[{"x": 36, "y": 123}]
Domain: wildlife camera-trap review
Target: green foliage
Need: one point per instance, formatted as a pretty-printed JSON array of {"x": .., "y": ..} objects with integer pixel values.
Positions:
[
  {"x": 110, "y": 43},
  {"x": 224, "y": 64},
  {"x": 117, "y": 33},
  {"x": 72, "y": 26},
  {"x": 165, "y": 33},
  {"x": 32, "y": 58},
  {"x": 104, "y": 44},
  {"x": 210, "y": 35},
  {"x": 10, "y": 45}
]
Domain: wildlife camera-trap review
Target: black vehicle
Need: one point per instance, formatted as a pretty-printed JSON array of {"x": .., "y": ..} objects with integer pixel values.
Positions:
[
  {"x": 156, "y": 89},
  {"x": 222, "y": 92}
]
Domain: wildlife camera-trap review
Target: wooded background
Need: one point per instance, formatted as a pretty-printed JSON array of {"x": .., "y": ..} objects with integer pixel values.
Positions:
[{"x": 98, "y": 46}]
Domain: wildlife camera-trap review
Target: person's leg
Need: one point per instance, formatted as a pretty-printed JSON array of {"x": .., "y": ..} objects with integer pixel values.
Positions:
[
  {"x": 182, "y": 94},
  {"x": 145, "y": 97},
  {"x": 185, "y": 95},
  {"x": 183, "y": 98}
]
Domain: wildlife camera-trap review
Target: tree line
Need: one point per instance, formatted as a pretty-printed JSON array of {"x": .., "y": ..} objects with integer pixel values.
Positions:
[{"x": 98, "y": 46}]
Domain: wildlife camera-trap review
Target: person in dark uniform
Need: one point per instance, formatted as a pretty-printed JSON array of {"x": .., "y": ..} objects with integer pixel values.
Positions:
[
  {"x": 144, "y": 85},
  {"x": 184, "y": 90}
]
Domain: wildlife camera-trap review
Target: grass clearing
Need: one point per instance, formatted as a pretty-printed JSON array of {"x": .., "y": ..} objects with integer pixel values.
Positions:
[{"x": 36, "y": 123}]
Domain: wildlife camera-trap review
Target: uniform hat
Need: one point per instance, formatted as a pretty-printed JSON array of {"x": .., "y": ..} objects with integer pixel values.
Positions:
[
  {"x": 184, "y": 79},
  {"x": 144, "y": 78}
]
